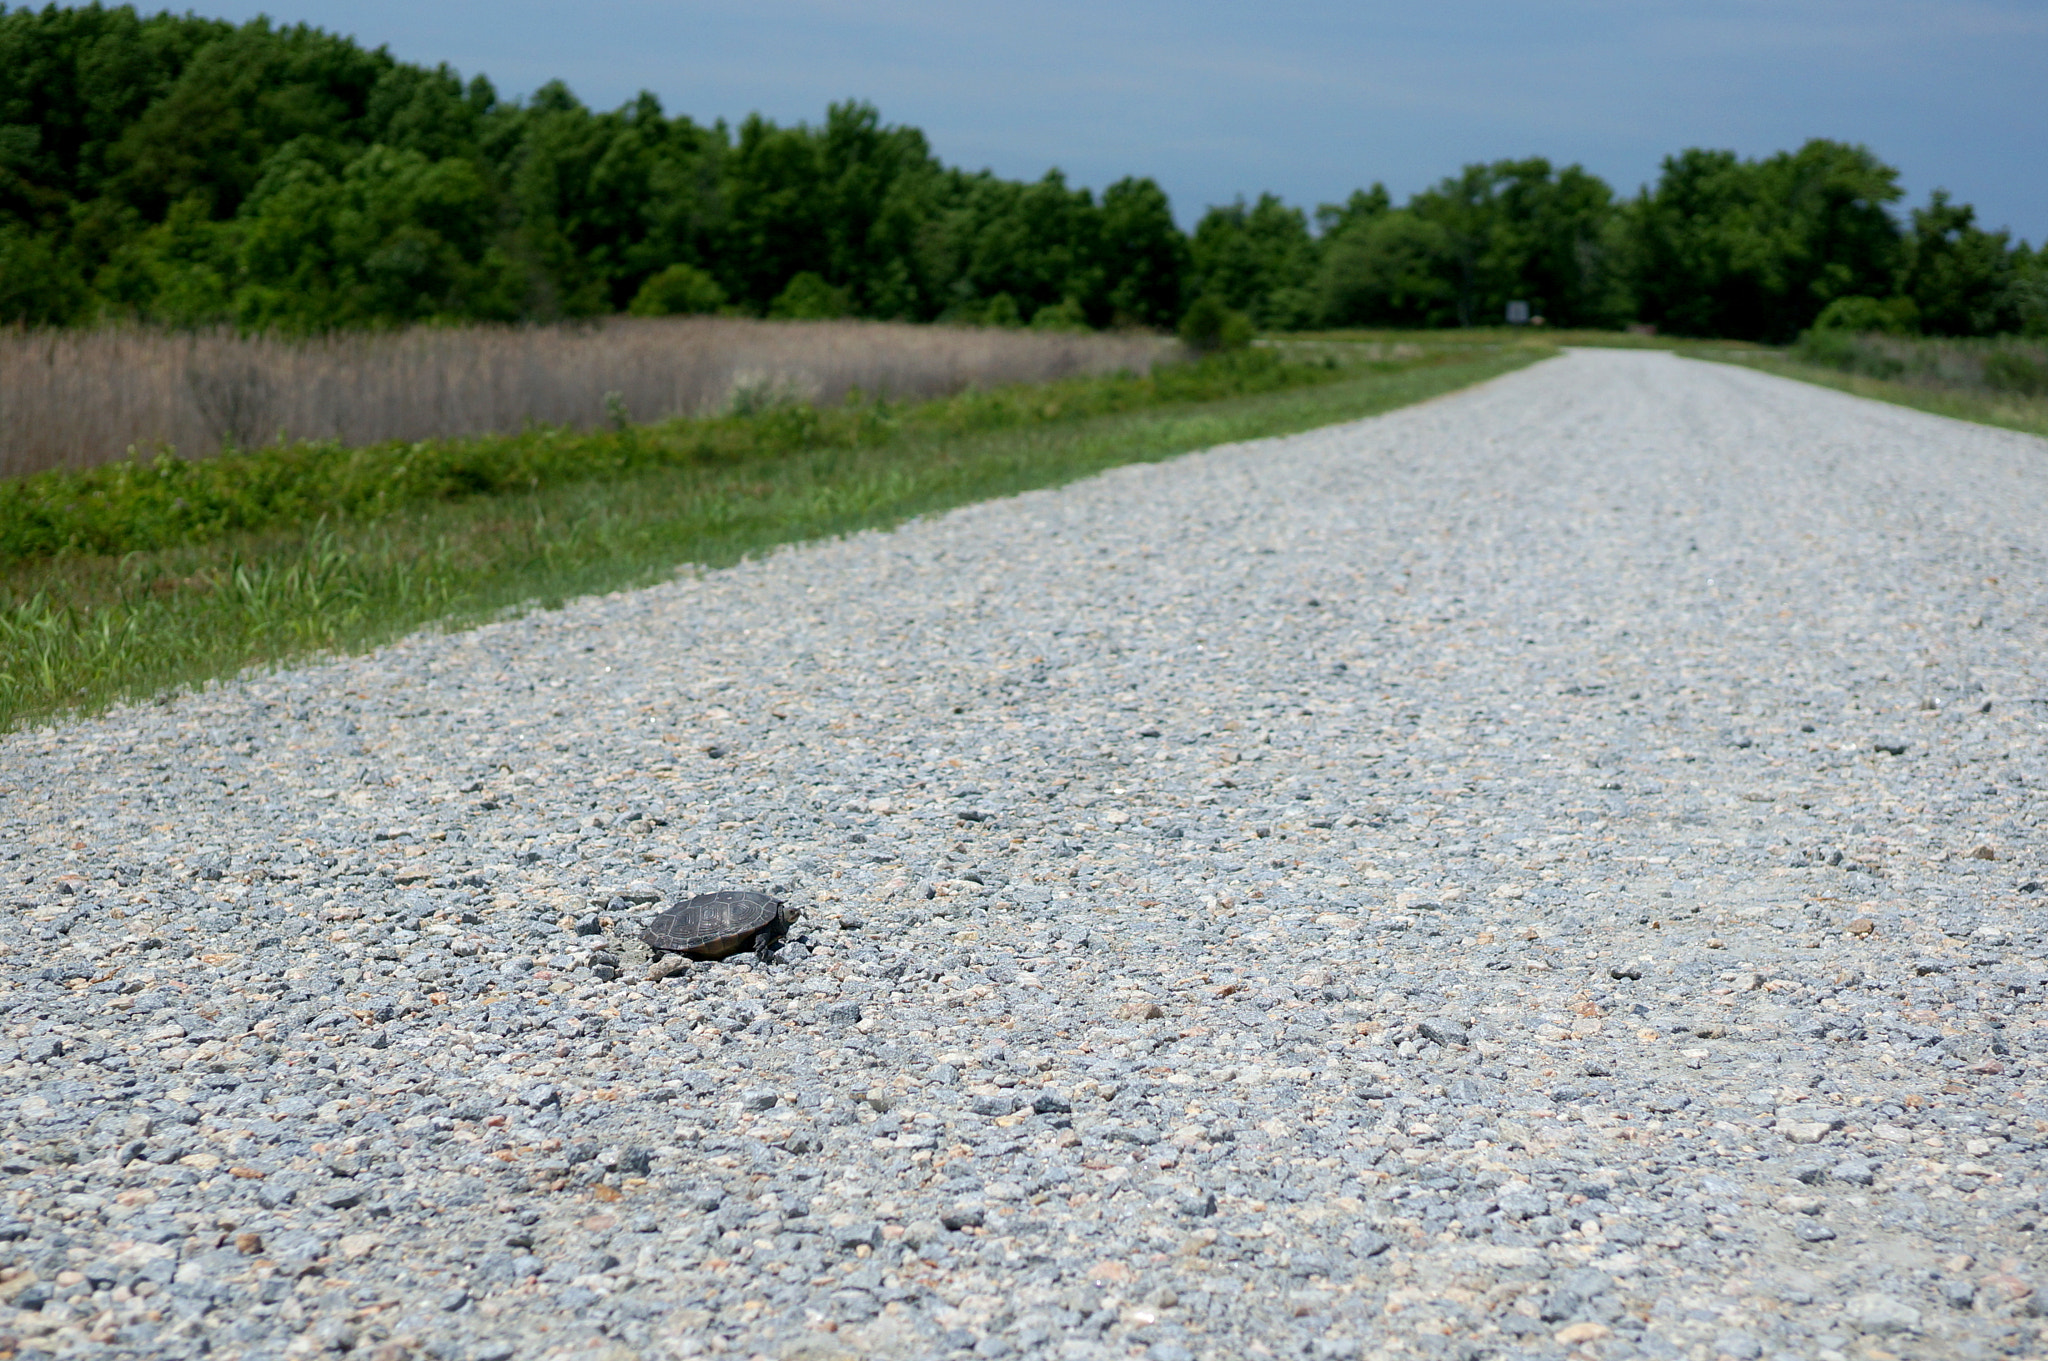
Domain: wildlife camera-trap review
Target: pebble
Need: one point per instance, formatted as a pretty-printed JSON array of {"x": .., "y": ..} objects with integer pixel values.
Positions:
[
  {"x": 1876, "y": 1313},
  {"x": 1498, "y": 878}
]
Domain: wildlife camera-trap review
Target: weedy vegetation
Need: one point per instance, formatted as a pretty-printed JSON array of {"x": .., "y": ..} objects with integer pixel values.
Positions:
[
  {"x": 1999, "y": 381},
  {"x": 131, "y": 580},
  {"x": 2005, "y": 366},
  {"x": 78, "y": 398}
]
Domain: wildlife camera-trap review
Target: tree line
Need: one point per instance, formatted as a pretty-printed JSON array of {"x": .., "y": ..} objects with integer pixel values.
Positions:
[{"x": 183, "y": 171}]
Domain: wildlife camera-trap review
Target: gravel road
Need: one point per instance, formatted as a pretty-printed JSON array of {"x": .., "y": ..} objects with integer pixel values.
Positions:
[{"x": 1553, "y": 871}]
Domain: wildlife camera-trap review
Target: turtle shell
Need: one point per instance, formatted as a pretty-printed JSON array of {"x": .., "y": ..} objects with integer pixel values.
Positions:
[{"x": 714, "y": 925}]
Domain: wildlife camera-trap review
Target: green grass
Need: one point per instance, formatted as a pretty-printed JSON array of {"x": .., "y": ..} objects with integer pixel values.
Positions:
[
  {"x": 124, "y": 607},
  {"x": 2011, "y": 410},
  {"x": 1479, "y": 337},
  {"x": 130, "y": 506}
]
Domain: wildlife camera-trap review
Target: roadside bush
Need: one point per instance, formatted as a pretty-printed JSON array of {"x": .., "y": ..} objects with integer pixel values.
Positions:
[
  {"x": 1002, "y": 311},
  {"x": 2016, "y": 370},
  {"x": 2030, "y": 295},
  {"x": 1892, "y": 316},
  {"x": 2006, "y": 365},
  {"x": 1846, "y": 350},
  {"x": 1067, "y": 315},
  {"x": 1209, "y": 327}
]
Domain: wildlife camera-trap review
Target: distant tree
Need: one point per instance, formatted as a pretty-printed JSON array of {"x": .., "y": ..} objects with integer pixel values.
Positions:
[
  {"x": 881, "y": 185},
  {"x": 809, "y": 298},
  {"x": 236, "y": 101},
  {"x": 1523, "y": 230},
  {"x": 189, "y": 171},
  {"x": 1959, "y": 276},
  {"x": 2030, "y": 289},
  {"x": 392, "y": 237},
  {"x": 1395, "y": 268},
  {"x": 1065, "y": 315},
  {"x": 1361, "y": 207},
  {"x": 1209, "y": 326},
  {"x": 1259, "y": 260},
  {"x": 1890, "y": 316},
  {"x": 179, "y": 272},
  {"x": 1143, "y": 257},
  {"x": 1755, "y": 249},
  {"x": 677, "y": 291},
  {"x": 37, "y": 286},
  {"x": 1035, "y": 243}
]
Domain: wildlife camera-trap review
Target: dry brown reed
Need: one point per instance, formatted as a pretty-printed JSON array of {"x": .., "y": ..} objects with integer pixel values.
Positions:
[{"x": 79, "y": 398}]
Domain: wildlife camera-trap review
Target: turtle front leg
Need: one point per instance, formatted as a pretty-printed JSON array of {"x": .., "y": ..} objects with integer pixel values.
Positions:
[{"x": 763, "y": 943}]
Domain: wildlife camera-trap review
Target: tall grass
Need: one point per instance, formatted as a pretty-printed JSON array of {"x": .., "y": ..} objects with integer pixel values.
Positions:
[
  {"x": 76, "y": 399},
  {"x": 2002, "y": 381},
  {"x": 2005, "y": 364}
]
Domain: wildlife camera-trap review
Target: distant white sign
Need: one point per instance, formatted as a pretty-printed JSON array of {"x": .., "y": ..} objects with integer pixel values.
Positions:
[{"x": 1518, "y": 313}]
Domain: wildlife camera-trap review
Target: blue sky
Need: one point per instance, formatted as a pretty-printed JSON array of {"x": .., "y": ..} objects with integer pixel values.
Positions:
[{"x": 1308, "y": 100}]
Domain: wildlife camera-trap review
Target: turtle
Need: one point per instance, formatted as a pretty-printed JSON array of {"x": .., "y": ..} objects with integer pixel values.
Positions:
[{"x": 715, "y": 925}]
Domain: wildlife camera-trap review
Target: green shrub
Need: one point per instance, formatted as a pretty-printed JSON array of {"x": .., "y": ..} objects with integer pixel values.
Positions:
[
  {"x": 807, "y": 297},
  {"x": 2006, "y": 365},
  {"x": 1237, "y": 332},
  {"x": 1892, "y": 316},
  {"x": 1201, "y": 329},
  {"x": 1002, "y": 311},
  {"x": 1847, "y": 350},
  {"x": 679, "y": 290},
  {"x": 1209, "y": 327},
  {"x": 2030, "y": 295},
  {"x": 1065, "y": 315},
  {"x": 2017, "y": 371}
]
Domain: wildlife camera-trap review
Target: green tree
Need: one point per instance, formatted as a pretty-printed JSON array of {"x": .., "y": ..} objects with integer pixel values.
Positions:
[
  {"x": 809, "y": 298},
  {"x": 1033, "y": 243},
  {"x": 844, "y": 201},
  {"x": 1259, "y": 260},
  {"x": 1959, "y": 276},
  {"x": 1858, "y": 314},
  {"x": 393, "y": 237},
  {"x": 2030, "y": 290},
  {"x": 1524, "y": 230},
  {"x": 1361, "y": 207},
  {"x": 1143, "y": 257},
  {"x": 1756, "y": 249},
  {"x": 172, "y": 166},
  {"x": 236, "y": 101},
  {"x": 37, "y": 286},
  {"x": 187, "y": 170},
  {"x": 1209, "y": 326},
  {"x": 1065, "y": 315},
  {"x": 1395, "y": 268},
  {"x": 677, "y": 291},
  {"x": 179, "y": 272}
]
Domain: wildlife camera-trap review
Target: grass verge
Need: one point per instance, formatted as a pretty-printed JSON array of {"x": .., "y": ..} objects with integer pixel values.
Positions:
[
  {"x": 1933, "y": 389},
  {"x": 2012, "y": 411},
  {"x": 82, "y": 629}
]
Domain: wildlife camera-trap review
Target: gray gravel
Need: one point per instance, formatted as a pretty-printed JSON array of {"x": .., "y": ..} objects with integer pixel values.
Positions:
[{"x": 1553, "y": 869}]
